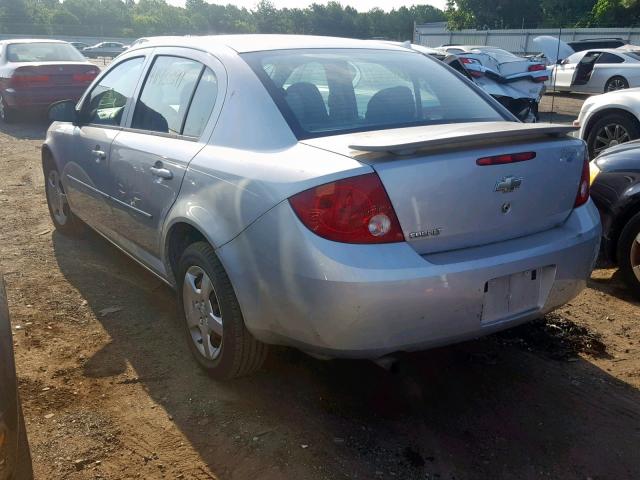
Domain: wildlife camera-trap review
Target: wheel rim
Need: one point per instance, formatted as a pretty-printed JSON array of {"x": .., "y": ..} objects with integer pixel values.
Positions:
[
  {"x": 57, "y": 198},
  {"x": 616, "y": 84},
  {"x": 609, "y": 136},
  {"x": 202, "y": 312},
  {"x": 634, "y": 257}
]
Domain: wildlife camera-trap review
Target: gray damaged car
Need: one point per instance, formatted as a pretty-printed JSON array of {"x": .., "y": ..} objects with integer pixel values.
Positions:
[{"x": 349, "y": 199}]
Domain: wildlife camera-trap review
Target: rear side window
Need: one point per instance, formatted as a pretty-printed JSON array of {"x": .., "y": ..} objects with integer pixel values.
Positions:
[
  {"x": 202, "y": 104},
  {"x": 609, "y": 58},
  {"x": 325, "y": 92},
  {"x": 109, "y": 98},
  {"x": 166, "y": 94}
]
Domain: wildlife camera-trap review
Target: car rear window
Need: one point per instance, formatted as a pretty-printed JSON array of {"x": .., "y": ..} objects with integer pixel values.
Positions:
[
  {"x": 43, "y": 52},
  {"x": 325, "y": 92}
]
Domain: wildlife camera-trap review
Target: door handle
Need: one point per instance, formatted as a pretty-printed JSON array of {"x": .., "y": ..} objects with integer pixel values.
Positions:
[
  {"x": 162, "y": 172},
  {"x": 99, "y": 154}
]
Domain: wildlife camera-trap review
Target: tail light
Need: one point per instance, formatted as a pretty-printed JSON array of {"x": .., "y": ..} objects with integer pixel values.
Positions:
[
  {"x": 86, "y": 77},
  {"x": 472, "y": 62},
  {"x": 28, "y": 80},
  {"x": 508, "y": 158},
  {"x": 352, "y": 210},
  {"x": 540, "y": 79},
  {"x": 536, "y": 67},
  {"x": 583, "y": 188}
]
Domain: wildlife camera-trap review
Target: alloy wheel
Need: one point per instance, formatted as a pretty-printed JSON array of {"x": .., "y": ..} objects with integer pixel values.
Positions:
[
  {"x": 202, "y": 312},
  {"x": 616, "y": 84},
  {"x": 634, "y": 257},
  {"x": 57, "y": 198},
  {"x": 609, "y": 136}
]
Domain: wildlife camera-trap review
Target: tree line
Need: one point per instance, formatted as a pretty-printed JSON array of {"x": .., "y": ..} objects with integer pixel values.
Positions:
[
  {"x": 515, "y": 14},
  {"x": 126, "y": 18},
  {"x": 129, "y": 18}
]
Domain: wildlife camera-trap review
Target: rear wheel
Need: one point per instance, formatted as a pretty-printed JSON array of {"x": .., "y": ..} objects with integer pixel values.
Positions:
[
  {"x": 616, "y": 83},
  {"x": 62, "y": 217},
  {"x": 629, "y": 254},
  {"x": 7, "y": 114},
  {"x": 611, "y": 130},
  {"x": 213, "y": 322}
]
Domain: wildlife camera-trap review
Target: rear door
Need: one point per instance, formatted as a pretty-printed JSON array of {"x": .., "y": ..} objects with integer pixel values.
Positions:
[
  {"x": 170, "y": 124},
  {"x": 86, "y": 173}
]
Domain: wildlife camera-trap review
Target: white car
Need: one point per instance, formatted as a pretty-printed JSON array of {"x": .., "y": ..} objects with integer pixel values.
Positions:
[
  {"x": 597, "y": 71},
  {"x": 609, "y": 119},
  {"x": 516, "y": 82}
]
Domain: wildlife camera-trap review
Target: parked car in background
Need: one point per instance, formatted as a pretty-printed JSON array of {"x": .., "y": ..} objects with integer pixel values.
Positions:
[
  {"x": 597, "y": 71},
  {"x": 609, "y": 119},
  {"x": 79, "y": 45},
  {"x": 104, "y": 49},
  {"x": 616, "y": 192},
  {"x": 15, "y": 458},
  {"x": 518, "y": 83},
  {"x": 375, "y": 184},
  {"x": 36, "y": 73}
]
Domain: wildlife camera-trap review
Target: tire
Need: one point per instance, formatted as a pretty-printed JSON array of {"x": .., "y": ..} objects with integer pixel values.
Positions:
[
  {"x": 7, "y": 114},
  {"x": 612, "y": 129},
  {"x": 60, "y": 212},
  {"x": 616, "y": 83},
  {"x": 24, "y": 468},
  {"x": 235, "y": 352},
  {"x": 628, "y": 254}
]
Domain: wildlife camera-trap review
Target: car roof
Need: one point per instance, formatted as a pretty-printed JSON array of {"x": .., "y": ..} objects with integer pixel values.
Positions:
[
  {"x": 30, "y": 40},
  {"x": 245, "y": 43}
]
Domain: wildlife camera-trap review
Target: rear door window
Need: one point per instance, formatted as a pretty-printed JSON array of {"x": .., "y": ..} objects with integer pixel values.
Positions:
[
  {"x": 166, "y": 94},
  {"x": 108, "y": 99},
  {"x": 204, "y": 99}
]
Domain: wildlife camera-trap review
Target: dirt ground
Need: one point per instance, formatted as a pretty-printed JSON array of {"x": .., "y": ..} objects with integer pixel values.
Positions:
[{"x": 110, "y": 390}]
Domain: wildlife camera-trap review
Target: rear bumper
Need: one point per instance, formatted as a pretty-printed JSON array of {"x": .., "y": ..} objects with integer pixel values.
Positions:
[
  {"x": 41, "y": 97},
  {"x": 359, "y": 301}
]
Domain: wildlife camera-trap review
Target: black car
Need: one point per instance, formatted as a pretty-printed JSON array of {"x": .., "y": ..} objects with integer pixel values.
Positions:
[
  {"x": 15, "y": 458},
  {"x": 615, "y": 190},
  {"x": 597, "y": 43}
]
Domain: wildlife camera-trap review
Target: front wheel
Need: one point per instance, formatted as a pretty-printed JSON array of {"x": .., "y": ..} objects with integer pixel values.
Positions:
[
  {"x": 611, "y": 130},
  {"x": 616, "y": 83},
  {"x": 213, "y": 322}
]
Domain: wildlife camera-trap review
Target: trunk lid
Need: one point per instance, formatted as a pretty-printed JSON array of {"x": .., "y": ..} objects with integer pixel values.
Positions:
[
  {"x": 48, "y": 74},
  {"x": 445, "y": 201}
]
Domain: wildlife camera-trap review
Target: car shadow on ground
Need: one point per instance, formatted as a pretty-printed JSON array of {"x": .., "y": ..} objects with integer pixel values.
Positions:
[
  {"x": 28, "y": 126},
  {"x": 484, "y": 409}
]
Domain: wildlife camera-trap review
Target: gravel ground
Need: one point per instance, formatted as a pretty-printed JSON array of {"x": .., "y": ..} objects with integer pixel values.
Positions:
[{"x": 110, "y": 391}]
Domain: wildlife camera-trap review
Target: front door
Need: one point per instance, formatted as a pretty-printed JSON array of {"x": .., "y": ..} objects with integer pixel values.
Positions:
[
  {"x": 149, "y": 159},
  {"x": 86, "y": 174}
]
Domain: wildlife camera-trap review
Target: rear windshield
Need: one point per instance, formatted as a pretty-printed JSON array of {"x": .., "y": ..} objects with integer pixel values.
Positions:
[
  {"x": 43, "y": 52},
  {"x": 326, "y": 92}
]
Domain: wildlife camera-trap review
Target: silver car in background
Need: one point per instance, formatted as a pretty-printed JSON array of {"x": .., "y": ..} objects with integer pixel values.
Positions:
[{"x": 348, "y": 199}]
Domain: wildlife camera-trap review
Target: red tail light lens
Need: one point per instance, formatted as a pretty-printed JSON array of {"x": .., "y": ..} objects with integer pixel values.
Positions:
[
  {"x": 352, "y": 210},
  {"x": 509, "y": 158},
  {"x": 27, "y": 80},
  {"x": 86, "y": 77},
  {"x": 536, "y": 67},
  {"x": 540, "y": 79},
  {"x": 583, "y": 189}
]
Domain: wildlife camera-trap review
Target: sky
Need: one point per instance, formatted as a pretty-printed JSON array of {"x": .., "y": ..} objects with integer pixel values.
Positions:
[{"x": 360, "y": 5}]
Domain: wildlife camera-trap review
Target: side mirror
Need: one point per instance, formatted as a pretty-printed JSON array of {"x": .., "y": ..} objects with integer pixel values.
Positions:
[{"x": 63, "y": 111}]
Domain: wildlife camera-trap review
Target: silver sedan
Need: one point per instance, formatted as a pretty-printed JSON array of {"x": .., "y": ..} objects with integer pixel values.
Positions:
[{"x": 348, "y": 199}]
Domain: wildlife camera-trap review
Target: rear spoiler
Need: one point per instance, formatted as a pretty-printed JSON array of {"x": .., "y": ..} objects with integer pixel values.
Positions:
[{"x": 406, "y": 143}]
